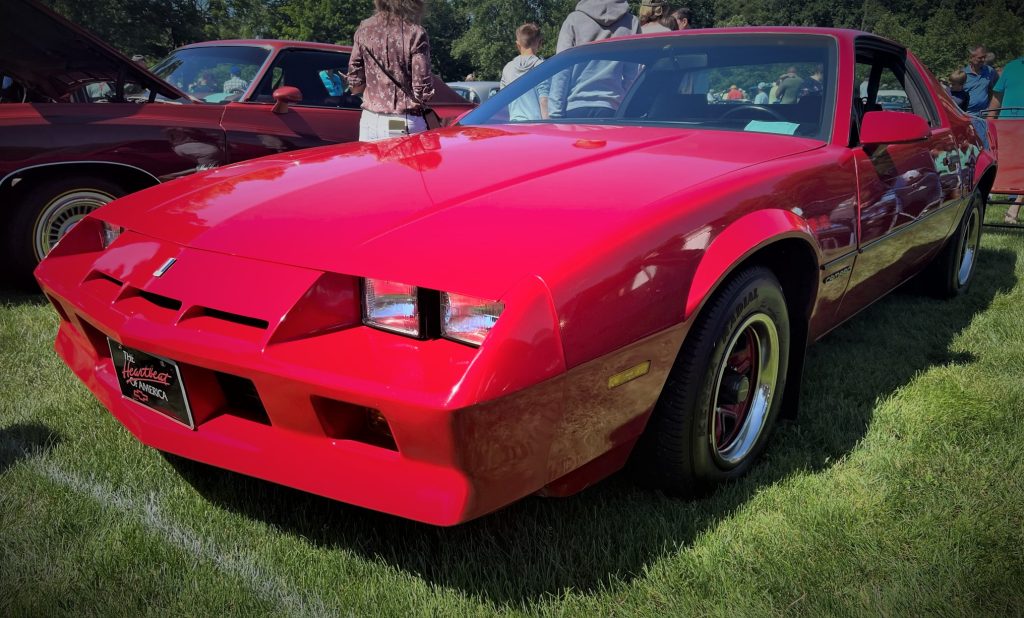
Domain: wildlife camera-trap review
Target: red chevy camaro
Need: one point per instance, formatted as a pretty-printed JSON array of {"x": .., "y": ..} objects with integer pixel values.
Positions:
[{"x": 604, "y": 261}]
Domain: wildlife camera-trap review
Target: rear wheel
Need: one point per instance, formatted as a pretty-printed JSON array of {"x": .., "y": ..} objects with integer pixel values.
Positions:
[
  {"x": 951, "y": 272},
  {"x": 723, "y": 395},
  {"x": 46, "y": 212}
]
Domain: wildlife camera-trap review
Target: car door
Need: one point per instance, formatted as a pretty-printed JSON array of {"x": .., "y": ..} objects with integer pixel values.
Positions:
[
  {"x": 908, "y": 192},
  {"x": 326, "y": 115}
]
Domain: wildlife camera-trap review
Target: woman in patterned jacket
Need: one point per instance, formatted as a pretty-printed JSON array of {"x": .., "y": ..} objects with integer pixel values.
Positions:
[{"x": 389, "y": 47}]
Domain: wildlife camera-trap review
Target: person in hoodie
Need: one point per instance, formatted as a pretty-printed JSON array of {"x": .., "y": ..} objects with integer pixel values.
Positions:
[
  {"x": 594, "y": 89},
  {"x": 532, "y": 105}
]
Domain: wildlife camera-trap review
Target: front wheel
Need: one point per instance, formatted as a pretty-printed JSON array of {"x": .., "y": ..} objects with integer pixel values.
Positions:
[
  {"x": 46, "y": 212},
  {"x": 724, "y": 392}
]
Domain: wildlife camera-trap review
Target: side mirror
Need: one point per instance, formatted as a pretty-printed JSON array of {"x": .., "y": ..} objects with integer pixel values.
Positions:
[
  {"x": 285, "y": 95},
  {"x": 893, "y": 128}
]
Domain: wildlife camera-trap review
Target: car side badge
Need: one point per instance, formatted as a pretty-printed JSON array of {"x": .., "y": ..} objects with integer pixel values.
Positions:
[{"x": 164, "y": 267}]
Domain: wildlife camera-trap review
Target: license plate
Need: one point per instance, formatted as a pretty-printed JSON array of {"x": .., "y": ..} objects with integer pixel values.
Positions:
[{"x": 151, "y": 381}]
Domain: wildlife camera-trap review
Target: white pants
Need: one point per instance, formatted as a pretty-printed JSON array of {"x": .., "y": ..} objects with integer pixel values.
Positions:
[{"x": 374, "y": 126}]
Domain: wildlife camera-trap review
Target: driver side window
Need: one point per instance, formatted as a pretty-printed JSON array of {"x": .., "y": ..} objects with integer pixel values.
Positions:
[
  {"x": 884, "y": 82},
  {"x": 319, "y": 76}
]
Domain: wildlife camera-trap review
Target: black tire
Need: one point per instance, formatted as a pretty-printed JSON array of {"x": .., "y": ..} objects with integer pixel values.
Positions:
[
  {"x": 951, "y": 272},
  {"x": 688, "y": 446},
  {"x": 43, "y": 213}
]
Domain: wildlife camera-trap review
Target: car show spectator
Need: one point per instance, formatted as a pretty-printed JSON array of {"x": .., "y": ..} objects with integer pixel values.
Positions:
[
  {"x": 1009, "y": 91},
  {"x": 813, "y": 85},
  {"x": 654, "y": 17},
  {"x": 761, "y": 98},
  {"x": 980, "y": 79},
  {"x": 390, "y": 67},
  {"x": 683, "y": 18},
  {"x": 790, "y": 86},
  {"x": 1008, "y": 102},
  {"x": 597, "y": 89},
  {"x": 957, "y": 79},
  {"x": 595, "y": 20},
  {"x": 235, "y": 83},
  {"x": 532, "y": 105}
]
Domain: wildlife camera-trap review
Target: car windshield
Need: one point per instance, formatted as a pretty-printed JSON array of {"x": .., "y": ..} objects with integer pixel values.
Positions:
[
  {"x": 764, "y": 83},
  {"x": 214, "y": 74}
]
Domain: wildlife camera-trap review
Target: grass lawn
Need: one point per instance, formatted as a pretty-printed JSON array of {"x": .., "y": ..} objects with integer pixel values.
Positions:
[{"x": 898, "y": 491}]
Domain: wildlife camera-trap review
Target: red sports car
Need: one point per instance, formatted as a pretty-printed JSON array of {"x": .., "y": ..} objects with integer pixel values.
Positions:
[
  {"x": 602, "y": 261},
  {"x": 89, "y": 125}
]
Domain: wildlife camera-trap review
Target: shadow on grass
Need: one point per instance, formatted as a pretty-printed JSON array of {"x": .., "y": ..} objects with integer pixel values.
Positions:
[
  {"x": 613, "y": 531},
  {"x": 14, "y": 296},
  {"x": 24, "y": 440}
]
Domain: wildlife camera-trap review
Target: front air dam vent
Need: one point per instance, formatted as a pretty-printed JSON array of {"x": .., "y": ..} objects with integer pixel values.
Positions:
[{"x": 241, "y": 399}]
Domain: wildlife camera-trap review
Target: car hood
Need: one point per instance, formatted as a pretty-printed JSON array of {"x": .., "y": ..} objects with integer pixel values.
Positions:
[
  {"x": 53, "y": 57},
  {"x": 467, "y": 197}
]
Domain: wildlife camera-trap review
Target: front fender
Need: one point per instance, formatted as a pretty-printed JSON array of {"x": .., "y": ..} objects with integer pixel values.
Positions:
[{"x": 741, "y": 239}]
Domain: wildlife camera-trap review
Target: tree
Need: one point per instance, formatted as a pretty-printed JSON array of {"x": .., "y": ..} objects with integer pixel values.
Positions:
[
  {"x": 147, "y": 27},
  {"x": 326, "y": 21}
]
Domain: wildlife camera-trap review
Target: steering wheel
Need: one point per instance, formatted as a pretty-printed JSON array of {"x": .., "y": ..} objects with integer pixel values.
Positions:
[{"x": 756, "y": 108}]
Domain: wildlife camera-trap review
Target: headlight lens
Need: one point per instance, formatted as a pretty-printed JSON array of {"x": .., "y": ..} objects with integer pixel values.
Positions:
[
  {"x": 468, "y": 319},
  {"x": 391, "y": 306},
  {"x": 109, "y": 233}
]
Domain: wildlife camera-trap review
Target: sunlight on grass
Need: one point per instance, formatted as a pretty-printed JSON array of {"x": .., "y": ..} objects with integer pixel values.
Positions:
[{"x": 897, "y": 491}]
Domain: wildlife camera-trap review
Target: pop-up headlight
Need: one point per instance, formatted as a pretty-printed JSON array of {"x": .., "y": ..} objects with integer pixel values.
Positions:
[
  {"x": 109, "y": 233},
  {"x": 391, "y": 306},
  {"x": 468, "y": 319}
]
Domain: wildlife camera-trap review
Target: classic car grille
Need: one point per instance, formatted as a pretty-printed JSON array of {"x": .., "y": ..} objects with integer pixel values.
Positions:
[{"x": 225, "y": 316}]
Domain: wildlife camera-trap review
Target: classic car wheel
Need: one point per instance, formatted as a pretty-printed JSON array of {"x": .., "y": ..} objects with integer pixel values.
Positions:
[
  {"x": 46, "y": 212},
  {"x": 724, "y": 392},
  {"x": 953, "y": 268}
]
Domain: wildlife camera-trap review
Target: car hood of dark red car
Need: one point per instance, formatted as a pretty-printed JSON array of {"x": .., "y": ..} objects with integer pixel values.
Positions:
[
  {"x": 53, "y": 57},
  {"x": 454, "y": 196}
]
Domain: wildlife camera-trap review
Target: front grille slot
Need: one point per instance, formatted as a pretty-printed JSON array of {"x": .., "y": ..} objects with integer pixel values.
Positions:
[
  {"x": 160, "y": 301},
  {"x": 241, "y": 398},
  {"x": 102, "y": 277},
  {"x": 153, "y": 306},
  {"x": 102, "y": 285},
  {"x": 233, "y": 318}
]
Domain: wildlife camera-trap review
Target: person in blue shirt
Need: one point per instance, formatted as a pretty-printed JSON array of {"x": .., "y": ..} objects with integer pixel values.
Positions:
[{"x": 981, "y": 78}]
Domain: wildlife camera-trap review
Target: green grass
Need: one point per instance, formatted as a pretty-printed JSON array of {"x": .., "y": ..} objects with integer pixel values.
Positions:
[{"x": 899, "y": 490}]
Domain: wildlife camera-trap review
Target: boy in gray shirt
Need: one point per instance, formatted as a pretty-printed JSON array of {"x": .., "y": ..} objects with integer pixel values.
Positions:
[{"x": 532, "y": 105}]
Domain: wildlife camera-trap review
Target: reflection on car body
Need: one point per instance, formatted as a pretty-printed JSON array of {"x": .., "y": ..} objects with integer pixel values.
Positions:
[{"x": 474, "y": 91}]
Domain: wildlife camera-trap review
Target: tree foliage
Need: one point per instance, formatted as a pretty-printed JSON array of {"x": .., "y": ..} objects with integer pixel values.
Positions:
[{"x": 478, "y": 35}]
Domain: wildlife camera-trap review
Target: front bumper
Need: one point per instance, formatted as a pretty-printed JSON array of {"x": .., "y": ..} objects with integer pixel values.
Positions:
[{"x": 473, "y": 429}]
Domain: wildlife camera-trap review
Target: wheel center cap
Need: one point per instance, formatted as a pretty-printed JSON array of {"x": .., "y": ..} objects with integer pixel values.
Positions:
[{"x": 735, "y": 388}]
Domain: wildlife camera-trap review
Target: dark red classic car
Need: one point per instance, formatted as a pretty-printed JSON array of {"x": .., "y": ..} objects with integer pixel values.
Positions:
[
  {"x": 95, "y": 126},
  {"x": 529, "y": 299}
]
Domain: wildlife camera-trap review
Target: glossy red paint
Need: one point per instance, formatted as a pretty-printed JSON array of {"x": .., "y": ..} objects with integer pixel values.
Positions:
[{"x": 596, "y": 279}]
